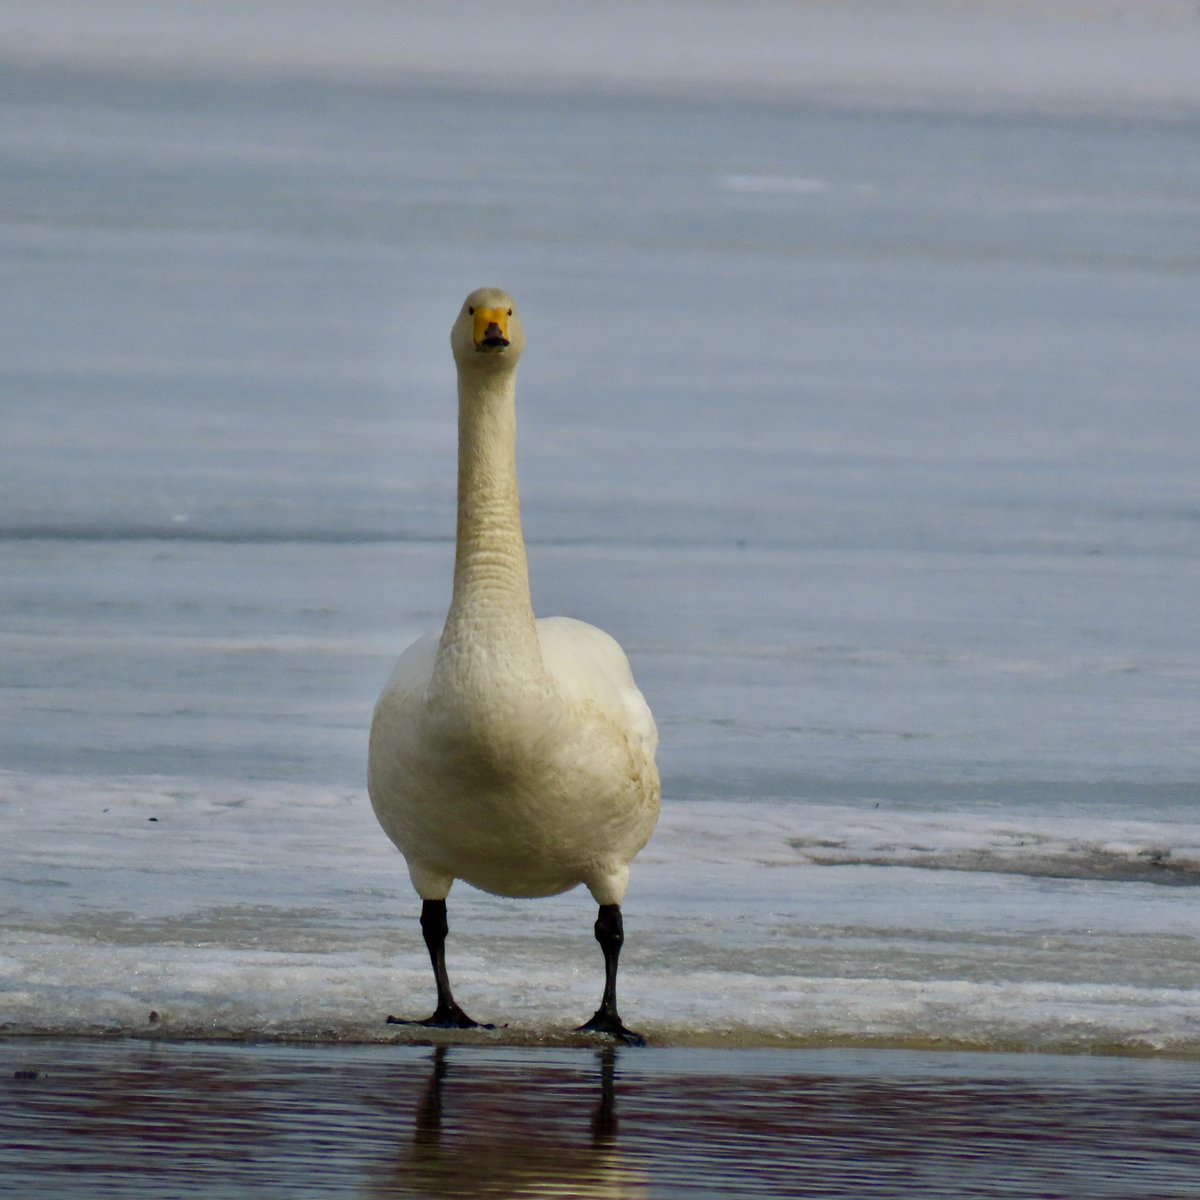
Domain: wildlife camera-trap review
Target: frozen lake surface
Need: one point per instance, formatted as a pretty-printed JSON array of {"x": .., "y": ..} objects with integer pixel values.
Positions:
[{"x": 864, "y": 417}]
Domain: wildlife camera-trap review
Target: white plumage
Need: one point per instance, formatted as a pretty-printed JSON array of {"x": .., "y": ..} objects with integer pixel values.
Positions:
[{"x": 513, "y": 753}]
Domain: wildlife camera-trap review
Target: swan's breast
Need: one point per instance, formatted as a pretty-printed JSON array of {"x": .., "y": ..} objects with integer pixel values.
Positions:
[{"x": 522, "y": 787}]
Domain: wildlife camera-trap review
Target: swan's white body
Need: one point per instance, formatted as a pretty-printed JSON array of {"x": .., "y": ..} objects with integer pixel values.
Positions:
[{"x": 516, "y": 754}]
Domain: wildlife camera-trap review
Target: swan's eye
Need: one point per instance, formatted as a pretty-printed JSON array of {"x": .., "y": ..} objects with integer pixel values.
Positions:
[
  {"x": 470, "y": 312},
  {"x": 510, "y": 312}
]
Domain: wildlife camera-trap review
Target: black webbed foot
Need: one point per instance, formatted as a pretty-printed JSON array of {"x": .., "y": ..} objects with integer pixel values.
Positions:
[
  {"x": 448, "y": 1016},
  {"x": 610, "y": 1023}
]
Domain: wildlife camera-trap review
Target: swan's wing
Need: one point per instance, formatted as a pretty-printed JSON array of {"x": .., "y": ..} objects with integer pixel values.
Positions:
[
  {"x": 414, "y": 667},
  {"x": 591, "y": 668}
]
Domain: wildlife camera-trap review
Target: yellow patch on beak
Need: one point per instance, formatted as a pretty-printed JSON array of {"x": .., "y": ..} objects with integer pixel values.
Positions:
[{"x": 491, "y": 327}]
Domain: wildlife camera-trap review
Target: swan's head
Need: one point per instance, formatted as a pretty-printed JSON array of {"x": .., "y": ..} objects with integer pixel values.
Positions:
[{"x": 487, "y": 334}]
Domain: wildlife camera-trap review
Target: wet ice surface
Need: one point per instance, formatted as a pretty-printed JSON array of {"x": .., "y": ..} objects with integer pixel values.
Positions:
[
  {"x": 866, "y": 423},
  {"x": 98, "y": 1120}
]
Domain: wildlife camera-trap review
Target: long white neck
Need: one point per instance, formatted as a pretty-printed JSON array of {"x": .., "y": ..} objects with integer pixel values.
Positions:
[{"x": 489, "y": 631}]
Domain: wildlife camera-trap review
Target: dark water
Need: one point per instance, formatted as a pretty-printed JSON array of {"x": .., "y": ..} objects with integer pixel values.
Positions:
[{"x": 173, "y": 1120}]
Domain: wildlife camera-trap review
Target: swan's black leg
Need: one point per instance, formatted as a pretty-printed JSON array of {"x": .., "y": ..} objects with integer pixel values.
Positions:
[
  {"x": 447, "y": 1015},
  {"x": 610, "y": 933}
]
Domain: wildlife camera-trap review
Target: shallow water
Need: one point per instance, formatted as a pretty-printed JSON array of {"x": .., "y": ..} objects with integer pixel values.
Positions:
[{"x": 116, "y": 1119}]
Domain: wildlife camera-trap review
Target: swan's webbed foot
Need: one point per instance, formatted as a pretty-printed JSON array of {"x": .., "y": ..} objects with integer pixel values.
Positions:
[
  {"x": 445, "y": 1016},
  {"x": 610, "y": 1023}
]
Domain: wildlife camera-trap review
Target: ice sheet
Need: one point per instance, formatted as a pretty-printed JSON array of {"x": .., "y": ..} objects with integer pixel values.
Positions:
[{"x": 880, "y": 463}]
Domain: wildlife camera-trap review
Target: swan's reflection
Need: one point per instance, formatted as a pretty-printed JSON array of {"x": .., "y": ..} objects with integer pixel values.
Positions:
[{"x": 482, "y": 1133}]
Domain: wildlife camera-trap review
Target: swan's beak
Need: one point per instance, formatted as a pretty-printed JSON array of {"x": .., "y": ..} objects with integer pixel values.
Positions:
[{"x": 491, "y": 328}]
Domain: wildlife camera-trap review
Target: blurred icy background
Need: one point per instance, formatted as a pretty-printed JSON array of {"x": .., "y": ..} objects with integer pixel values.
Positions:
[{"x": 860, "y": 405}]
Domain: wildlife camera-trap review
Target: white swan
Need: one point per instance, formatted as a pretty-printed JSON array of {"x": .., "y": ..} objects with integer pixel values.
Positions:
[{"x": 516, "y": 754}]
